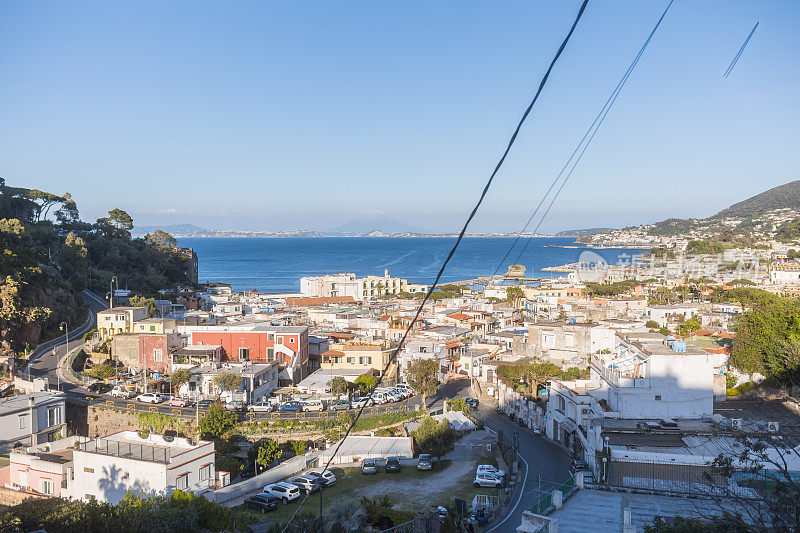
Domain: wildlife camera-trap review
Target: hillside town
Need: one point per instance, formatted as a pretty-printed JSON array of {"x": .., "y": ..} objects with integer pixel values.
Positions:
[{"x": 630, "y": 372}]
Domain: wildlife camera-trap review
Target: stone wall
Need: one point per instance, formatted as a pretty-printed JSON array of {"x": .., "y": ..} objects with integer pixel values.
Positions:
[{"x": 512, "y": 402}]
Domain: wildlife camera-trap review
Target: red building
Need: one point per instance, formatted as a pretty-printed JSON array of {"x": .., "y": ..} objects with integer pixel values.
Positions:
[{"x": 259, "y": 343}]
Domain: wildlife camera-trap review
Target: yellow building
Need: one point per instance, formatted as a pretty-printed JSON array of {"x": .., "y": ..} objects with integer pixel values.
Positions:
[
  {"x": 373, "y": 286},
  {"x": 119, "y": 320},
  {"x": 357, "y": 355},
  {"x": 154, "y": 325}
]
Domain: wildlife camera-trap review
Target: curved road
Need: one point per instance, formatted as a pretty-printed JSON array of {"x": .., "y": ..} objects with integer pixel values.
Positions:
[{"x": 546, "y": 465}]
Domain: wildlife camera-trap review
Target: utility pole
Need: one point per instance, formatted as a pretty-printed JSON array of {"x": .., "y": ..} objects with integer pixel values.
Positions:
[{"x": 111, "y": 301}]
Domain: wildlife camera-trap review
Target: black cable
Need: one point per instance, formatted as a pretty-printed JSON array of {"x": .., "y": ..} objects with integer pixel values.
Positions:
[
  {"x": 739, "y": 53},
  {"x": 593, "y": 128},
  {"x": 453, "y": 249}
]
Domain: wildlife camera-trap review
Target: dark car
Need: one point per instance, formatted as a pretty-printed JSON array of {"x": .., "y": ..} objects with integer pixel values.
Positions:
[
  {"x": 204, "y": 404},
  {"x": 392, "y": 464},
  {"x": 472, "y": 402},
  {"x": 99, "y": 388},
  {"x": 262, "y": 502},
  {"x": 292, "y": 406},
  {"x": 250, "y": 470}
]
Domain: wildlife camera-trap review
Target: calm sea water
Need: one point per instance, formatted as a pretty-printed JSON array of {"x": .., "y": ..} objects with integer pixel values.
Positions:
[{"x": 276, "y": 265}]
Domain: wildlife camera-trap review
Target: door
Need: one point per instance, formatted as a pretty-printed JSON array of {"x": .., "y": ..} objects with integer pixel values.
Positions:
[{"x": 23, "y": 479}]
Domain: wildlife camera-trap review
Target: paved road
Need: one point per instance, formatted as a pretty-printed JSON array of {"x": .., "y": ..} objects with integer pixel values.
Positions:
[
  {"x": 547, "y": 464},
  {"x": 44, "y": 363}
]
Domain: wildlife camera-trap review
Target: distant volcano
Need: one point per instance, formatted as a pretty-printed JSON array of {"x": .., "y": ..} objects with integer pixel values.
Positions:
[{"x": 369, "y": 224}]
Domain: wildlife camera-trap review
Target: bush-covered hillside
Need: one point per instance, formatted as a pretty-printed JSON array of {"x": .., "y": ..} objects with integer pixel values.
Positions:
[
  {"x": 780, "y": 197},
  {"x": 50, "y": 255}
]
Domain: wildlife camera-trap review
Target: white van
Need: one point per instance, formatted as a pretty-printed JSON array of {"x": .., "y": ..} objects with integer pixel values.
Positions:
[
  {"x": 313, "y": 405},
  {"x": 380, "y": 398}
]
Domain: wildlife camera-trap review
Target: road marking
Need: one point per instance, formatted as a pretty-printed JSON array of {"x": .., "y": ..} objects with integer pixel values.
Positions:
[
  {"x": 275, "y": 415},
  {"x": 131, "y": 406},
  {"x": 110, "y": 402},
  {"x": 176, "y": 412},
  {"x": 153, "y": 408},
  {"x": 521, "y": 492}
]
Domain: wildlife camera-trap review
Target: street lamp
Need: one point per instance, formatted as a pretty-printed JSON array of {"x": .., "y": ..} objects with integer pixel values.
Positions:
[{"x": 111, "y": 283}]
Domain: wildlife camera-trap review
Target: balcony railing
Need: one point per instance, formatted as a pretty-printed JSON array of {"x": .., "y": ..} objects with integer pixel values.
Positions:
[{"x": 127, "y": 450}]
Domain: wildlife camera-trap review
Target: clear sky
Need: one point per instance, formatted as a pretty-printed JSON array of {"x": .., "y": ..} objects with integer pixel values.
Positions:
[{"x": 280, "y": 115}]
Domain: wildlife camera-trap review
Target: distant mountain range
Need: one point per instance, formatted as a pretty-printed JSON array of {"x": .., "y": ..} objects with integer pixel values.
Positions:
[
  {"x": 182, "y": 230},
  {"x": 780, "y": 197},
  {"x": 381, "y": 224},
  {"x": 581, "y": 232}
]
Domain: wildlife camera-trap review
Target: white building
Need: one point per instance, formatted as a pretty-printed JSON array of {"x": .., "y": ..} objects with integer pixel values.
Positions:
[
  {"x": 108, "y": 467},
  {"x": 30, "y": 419},
  {"x": 660, "y": 313},
  {"x": 347, "y": 284}
]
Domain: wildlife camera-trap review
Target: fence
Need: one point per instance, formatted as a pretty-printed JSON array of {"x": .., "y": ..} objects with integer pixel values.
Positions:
[
  {"x": 128, "y": 450},
  {"x": 547, "y": 500},
  {"x": 683, "y": 478}
]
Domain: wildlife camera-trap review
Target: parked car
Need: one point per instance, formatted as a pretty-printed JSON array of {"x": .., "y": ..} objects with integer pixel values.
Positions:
[
  {"x": 404, "y": 386},
  {"x": 380, "y": 398},
  {"x": 99, "y": 387},
  {"x": 234, "y": 405},
  {"x": 150, "y": 397},
  {"x": 296, "y": 407},
  {"x": 313, "y": 405},
  {"x": 204, "y": 404},
  {"x": 492, "y": 470},
  {"x": 338, "y": 405},
  {"x": 307, "y": 484},
  {"x": 262, "y": 502},
  {"x": 368, "y": 466},
  {"x": 357, "y": 403},
  {"x": 175, "y": 401},
  {"x": 261, "y": 406},
  {"x": 485, "y": 479},
  {"x": 286, "y": 492},
  {"x": 424, "y": 462},
  {"x": 392, "y": 464},
  {"x": 327, "y": 478},
  {"x": 471, "y": 402},
  {"x": 537, "y": 430},
  {"x": 121, "y": 391}
]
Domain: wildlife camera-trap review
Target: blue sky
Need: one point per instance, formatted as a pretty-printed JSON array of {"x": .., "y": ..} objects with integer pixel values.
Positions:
[{"x": 279, "y": 115}]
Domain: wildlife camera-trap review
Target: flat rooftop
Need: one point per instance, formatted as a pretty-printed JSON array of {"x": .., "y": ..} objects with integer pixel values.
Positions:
[{"x": 14, "y": 404}]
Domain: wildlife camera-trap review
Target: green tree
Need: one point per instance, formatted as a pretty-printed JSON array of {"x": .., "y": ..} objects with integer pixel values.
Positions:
[
  {"x": 421, "y": 375},
  {"x": 161, "y": 240},
  {"x": 689, "y": 327},
  {"x": 217, "y": 421},
  {"x": 651, "y": 324},
  {"x": 298, "y": 447},
  {"x": 73, "y": 261},
  {"x": 513, "y": 294},
  {"x": 179, "y": 378},
  {"x": 365, "y": 383},
  {"x": 141, "y": 301},
  {"x": 226, "y": 381},
  {"x": 434, "y": 437},
  {"x": 338, "y": 385},
  {"x": 264, "y": 452}
]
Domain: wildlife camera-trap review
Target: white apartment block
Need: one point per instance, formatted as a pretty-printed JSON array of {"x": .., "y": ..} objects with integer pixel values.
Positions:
[
  {"x": 30, "y": 419},
  {"x": 347, "y": 284},
  {"x": 107, "y": 468}
]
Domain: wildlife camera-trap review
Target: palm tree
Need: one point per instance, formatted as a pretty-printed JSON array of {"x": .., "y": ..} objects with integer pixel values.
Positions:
[{"x": 344, "y": 516}]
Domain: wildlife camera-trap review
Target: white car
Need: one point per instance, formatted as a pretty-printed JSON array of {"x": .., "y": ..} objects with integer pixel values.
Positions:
[
  {"x": 121, "y": 391},
  {"x": 261, "y": 406},
  {"x": 485, "y": 479},
  {"x": 359, "y": 402},
  {"x": 489, "y": 469},
  {"x": 286, "y": 492},
  {"x": 150, "y": 397},
  {"x": 327, "y": 479}
]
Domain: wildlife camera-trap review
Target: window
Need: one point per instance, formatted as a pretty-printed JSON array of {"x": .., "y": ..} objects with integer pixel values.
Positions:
[
  {"x": 205, "y": 472},
  {"x": 270, "y": 354},
  {"x": 53, "y": 416},
  {"x": 351, "y": 360},
  {"x": 270, "y": 336},
  {"x": 88, "y": 470},
  {"x": 152, "y": 328},
  {"x": 23, "y": 421},
  {"x": 548, "y": 341},
  {"x": 46, "y": 486},
  {"x": 182, "y": 481},
  {"x": 569, "y": 340},
  {"x": 280, "y": 340},
  {"x": 158, "y": 355},
  {"x": 244, "y": 354},
  {"x": 658, "y": 397},
  {"x": 365, "y": 360}
]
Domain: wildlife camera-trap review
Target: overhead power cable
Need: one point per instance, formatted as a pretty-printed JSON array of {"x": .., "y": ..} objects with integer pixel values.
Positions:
[
  {"x": 739, "y": 53},
  {"x": 454, "y": 248},
  {"x": 579, "y": 150}
]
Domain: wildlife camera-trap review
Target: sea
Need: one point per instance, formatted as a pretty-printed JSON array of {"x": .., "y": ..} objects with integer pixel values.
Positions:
[{"x": 275, "y": 265}]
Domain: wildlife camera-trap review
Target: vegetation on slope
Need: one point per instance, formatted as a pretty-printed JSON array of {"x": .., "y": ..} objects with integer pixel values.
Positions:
[
  {"x": 780, "y": 197},
  {"x": 50, "y": 255}
]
